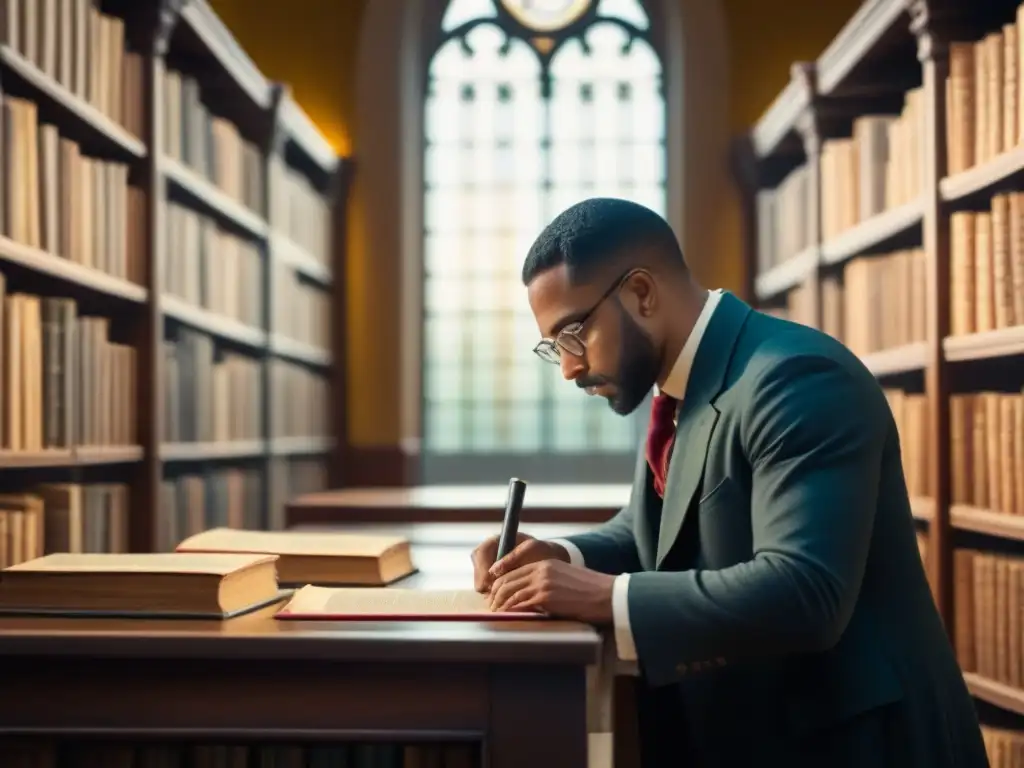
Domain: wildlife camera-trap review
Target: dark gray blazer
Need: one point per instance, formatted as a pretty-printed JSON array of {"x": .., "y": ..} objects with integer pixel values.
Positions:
[{"x": 778, "y": 601}]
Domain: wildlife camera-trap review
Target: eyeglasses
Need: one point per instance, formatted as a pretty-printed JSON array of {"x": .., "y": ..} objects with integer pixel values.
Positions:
[{"x": 569, "y": 338}]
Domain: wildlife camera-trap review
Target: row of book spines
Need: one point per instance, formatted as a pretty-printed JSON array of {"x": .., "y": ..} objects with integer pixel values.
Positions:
[
  {"x": 878, "y": 168},
  {"x": 191, "y": 504},
  {"x": 800, "y": 302},
  {"x": 301, "y": 311},
  {"x": 300, "y": 211},
  {"x": 987, "y": 446},
  {"x": 63, "y": 517},
  {"x": 988, "y": 606},
  {"x": 40, "y": 754},
  {"x": 83, "y": 49},
  {"x": 1004, "y": 746},
  {"x": 210, "y": 399},
  {"x": 64, "y": 382},
  {"x": 987, "y": 266},
  {"x": 878, "y": 303},
  {"x": 69, "y": 205},
  {"x": 984, "y": 100},
  {"x": 910, "y": 412},
  {"x": 210, "y": 267},
  {"x": 784, "y": 227},
  {"x": 209, "y": 144}
]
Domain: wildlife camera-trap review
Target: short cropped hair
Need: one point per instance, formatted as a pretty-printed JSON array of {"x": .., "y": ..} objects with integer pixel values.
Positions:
[{"x": 598, "y": 232}]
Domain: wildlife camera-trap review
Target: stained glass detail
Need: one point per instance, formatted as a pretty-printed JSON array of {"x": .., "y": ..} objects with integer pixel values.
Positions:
[
  {"x": 627, "y": 10},
  {"x": 513, "y": 137},
  {"x": 459, "y": 12},
  {"x": 546, "y": 15},
  {"x": 543, "y": 44}
]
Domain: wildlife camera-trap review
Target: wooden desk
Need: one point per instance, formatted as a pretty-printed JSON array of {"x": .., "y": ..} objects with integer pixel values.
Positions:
[
  {"x": 462, "y": 504},
  {"x": 442, "y": 553},
  {"x": 517, "y": 688}
]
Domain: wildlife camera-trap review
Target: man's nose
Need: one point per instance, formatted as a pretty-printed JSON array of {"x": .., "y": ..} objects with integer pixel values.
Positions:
[{"x": 573, "y": 366}]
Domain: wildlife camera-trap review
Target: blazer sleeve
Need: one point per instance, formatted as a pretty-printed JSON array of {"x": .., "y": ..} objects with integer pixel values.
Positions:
[
  {"x": 814, "y": 432},
  {"x": 611, "y": 547}
]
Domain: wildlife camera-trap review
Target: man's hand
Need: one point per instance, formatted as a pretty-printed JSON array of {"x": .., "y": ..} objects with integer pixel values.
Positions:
[
  {"x": 557, "y": 588},
  {"x": 527, "y": 550}
]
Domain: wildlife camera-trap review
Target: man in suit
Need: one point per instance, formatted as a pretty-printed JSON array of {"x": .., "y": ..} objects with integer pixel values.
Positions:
[{"x": 765, "y": 575}]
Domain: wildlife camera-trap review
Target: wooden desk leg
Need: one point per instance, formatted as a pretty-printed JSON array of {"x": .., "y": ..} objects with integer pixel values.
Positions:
[{"x": 538, "y": 717}]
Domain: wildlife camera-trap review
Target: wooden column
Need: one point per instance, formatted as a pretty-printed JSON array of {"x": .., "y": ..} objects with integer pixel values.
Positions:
[
  {"x": 338, "y": 470},
  {"x": 810, "y": 129},
  {"x": 145, "y": 507},
  {"x": 928, "y": 22}
]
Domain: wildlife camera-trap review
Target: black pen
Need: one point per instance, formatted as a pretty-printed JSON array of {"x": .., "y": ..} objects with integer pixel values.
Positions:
[{"x": 510, "y": 526}]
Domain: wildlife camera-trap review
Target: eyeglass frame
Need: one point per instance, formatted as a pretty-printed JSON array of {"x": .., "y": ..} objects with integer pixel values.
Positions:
[{"x": 574, "y": 328}]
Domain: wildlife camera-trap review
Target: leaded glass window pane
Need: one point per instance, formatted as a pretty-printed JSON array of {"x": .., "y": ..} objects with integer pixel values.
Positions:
[
  {"x": 459, "y": 12},
  {"x": 513, "y": 137}
]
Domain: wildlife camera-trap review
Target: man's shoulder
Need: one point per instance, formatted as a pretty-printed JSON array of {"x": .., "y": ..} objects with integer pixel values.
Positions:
[
  {"x": 774, "y": 348},
  {"x": 775, "y": 340}
]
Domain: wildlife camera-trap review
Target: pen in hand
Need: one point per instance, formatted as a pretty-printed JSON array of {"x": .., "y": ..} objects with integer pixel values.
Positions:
[{"x": 510, "y": 525}]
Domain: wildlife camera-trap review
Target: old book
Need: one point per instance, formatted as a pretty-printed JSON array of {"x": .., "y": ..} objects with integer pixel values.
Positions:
[
  {"x": 391, "y": 604},
  {"x": 315, "y": 558},
  {"x": 964, "y": 631},
  {"x": 143, "y": 585},
  {"x": 960, "y": 107},
  {"x": 984, "y": 273}
]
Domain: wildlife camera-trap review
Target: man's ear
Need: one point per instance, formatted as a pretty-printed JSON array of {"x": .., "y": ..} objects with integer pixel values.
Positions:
[{"x": 640, "y": 294}]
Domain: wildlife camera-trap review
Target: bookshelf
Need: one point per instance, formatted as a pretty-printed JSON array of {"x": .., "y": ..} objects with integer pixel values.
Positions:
[
  {"x": 884, "y": 197},
  {"x": 166, "y": 285}
]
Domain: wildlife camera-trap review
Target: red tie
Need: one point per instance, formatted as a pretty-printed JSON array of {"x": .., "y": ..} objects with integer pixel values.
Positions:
[{"x": 660, "y": 434}]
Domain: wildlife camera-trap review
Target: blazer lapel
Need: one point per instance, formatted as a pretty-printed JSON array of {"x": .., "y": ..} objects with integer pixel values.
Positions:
[
  {"x": 686, "y": 469},
  {"x": 698, "y": 417}
]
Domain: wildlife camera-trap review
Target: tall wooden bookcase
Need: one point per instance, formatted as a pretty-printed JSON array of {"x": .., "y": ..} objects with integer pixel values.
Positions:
[
  {"x": 883, "y": 195},
  {"x": 168, "y": 258}
]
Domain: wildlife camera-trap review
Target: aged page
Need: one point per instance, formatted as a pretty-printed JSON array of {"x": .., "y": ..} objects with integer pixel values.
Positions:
[{"x": 384, "y": 602}]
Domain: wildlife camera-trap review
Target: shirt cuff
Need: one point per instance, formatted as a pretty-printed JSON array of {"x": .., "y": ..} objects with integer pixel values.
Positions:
[
  {"x": 575, "y": 556},
  {"x": 620, "y": 617}
]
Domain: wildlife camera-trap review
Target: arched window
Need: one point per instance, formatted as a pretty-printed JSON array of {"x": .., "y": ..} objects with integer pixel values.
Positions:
[{"x": 530, "y": 106}]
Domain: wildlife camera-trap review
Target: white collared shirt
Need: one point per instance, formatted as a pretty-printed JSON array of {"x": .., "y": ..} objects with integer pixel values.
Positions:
[{"x": 675, "y": 386}]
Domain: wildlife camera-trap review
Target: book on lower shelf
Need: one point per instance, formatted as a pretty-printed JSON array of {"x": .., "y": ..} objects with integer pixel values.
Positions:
[
  {"x": 390, "y": 604},
  {"x": 192, "y": 502},
  {"x": 158, "y": 585},
  {"x": 1004, "y": 746},
  {"x": 63, "y": 517},
  {"x": 64, "y": 383},
  {"x": 988, "y": 631},
  {"x": 315, "y": 558}
]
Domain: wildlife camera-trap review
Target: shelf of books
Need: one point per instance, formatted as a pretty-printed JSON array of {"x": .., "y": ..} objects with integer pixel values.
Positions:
[
  {"x": 885, "y": 191},
  {"x": 305, "y": 179},
  {"x": 166, "y": 267}
]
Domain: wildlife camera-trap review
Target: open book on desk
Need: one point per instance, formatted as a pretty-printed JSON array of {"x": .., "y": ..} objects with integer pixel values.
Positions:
[{"x": 389, "y": 604}]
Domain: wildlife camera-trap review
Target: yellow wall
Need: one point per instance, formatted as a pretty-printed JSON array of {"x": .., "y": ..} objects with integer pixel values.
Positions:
[{"x": 310, "y": 44}]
